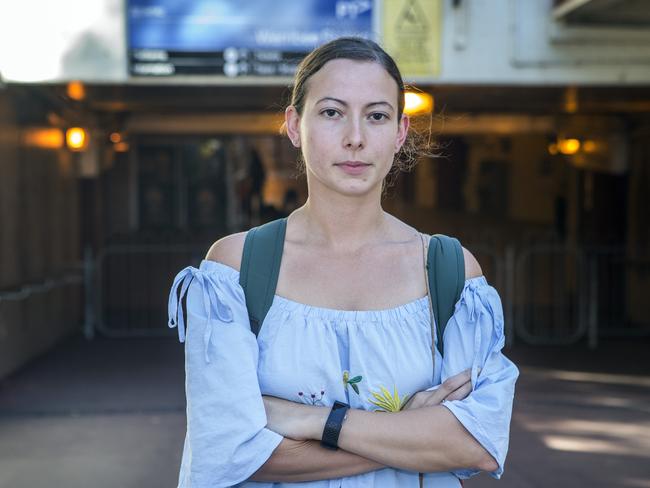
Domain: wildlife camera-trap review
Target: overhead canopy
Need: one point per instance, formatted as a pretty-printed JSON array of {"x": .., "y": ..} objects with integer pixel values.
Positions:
[{"x": 633, "y": 13}]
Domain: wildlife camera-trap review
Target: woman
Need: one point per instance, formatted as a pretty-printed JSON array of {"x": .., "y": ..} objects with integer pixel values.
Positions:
[{"x": 350, "y": 321}]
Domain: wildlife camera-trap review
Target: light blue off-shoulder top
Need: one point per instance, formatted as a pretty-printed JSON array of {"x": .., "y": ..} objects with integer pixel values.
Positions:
[{"x": 369, "y": 359}]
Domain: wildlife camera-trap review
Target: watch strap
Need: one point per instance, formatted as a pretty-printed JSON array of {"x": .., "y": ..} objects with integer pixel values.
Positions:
[{"x": 333, "y": 425}]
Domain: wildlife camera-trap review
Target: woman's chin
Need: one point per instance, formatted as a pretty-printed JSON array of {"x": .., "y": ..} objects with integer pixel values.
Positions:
[
  {"x": 358, "y": 188},
  {"x": 348, "y": 185}
]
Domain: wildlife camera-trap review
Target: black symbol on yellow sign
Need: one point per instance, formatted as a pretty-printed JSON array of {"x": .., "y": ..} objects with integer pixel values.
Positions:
[{"x": 412, "y": 17}]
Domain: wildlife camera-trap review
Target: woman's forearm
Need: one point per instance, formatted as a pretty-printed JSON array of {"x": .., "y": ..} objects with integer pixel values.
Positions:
[
  {"x": 296, "y": 461},
  {"x": 425, "y": 439}
]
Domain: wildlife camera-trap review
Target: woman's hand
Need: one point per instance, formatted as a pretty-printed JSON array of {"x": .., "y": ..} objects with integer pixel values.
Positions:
[
  {"x": 453, "y": 388},
  {"x": 294, "y": 420}
]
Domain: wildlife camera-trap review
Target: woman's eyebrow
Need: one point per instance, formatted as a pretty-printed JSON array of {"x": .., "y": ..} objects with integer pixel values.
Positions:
[
  {"x": 381, "y": 103},
  {"x": 345, "y": 104},
  {"x": 332, "y": 99}
]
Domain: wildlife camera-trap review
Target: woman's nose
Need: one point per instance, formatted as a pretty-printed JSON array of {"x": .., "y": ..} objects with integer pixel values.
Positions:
[{"x": 354, "y": 136}]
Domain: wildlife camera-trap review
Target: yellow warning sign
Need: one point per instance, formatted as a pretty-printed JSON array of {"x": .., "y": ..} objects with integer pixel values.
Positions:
[{"x": 411, "y": 34}]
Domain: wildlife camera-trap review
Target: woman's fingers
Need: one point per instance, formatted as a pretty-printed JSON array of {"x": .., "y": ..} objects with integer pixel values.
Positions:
[
  {"x": 452, "y": 383},
  {"x": 427, "y": 398},
  {"x": 461, "y": 393},
  {"x": 436, "y": 397},
  {"x": 418, "y": 400},
  {"x": 456, "y": 387},
  {"x": 409, "y": 404},
  {"x": 445, "y": 394},
  {"x": 415, "y": 401}
]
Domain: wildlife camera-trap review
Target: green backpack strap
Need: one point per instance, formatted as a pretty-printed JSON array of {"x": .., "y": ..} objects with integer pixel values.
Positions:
[
  {"x": 446, "y": 271},
  {"x": 260, "y": 266}
]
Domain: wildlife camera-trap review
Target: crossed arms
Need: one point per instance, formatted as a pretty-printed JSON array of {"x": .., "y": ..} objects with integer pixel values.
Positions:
[{"x": 423, "y": 437}]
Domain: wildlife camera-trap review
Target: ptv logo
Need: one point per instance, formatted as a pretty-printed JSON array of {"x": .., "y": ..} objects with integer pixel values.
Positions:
[{"x": 352, "y": 8}]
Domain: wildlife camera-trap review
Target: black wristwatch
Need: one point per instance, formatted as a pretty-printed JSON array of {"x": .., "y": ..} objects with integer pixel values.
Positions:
[{"x": 333, "y": 425}]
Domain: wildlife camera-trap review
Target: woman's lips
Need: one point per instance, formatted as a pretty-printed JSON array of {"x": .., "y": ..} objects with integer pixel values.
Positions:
[{"x": 353, "y": 168}]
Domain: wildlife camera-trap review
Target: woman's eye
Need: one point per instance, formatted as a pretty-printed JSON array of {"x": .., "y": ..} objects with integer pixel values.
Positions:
[
  {"x": 377, "y": 116},
  {"x": 330, "y": 112}
]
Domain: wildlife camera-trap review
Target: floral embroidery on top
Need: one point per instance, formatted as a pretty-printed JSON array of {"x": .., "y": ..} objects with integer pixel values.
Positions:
[
  {"x": 351, "y": 381},
  {"x": 312, "y": 398},
  {"x": 388, "y": 402}
]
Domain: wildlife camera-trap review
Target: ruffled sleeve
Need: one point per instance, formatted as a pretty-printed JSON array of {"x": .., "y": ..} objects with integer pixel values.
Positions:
[
  {"x": 473, "y": 339},
  {"x": 227, "y": 439}
]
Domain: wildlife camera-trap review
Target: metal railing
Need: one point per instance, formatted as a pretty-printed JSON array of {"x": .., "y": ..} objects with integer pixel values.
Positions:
[
  {"x": 27, "y": 290},
  {"x": 132, "y": 285},
  {"x": 549, "y": 298},
  {"x": 551, "y": 294},
  {"x": 76, "y": 275}
]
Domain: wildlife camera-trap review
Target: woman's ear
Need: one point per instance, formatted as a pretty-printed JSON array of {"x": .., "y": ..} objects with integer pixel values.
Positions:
[
  {"x": 402, "y": 131},
  {"x": 292, "y": 123}
]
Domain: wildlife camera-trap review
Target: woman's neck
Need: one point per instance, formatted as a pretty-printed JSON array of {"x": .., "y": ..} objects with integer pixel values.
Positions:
[{"x": 341, "y": 222}]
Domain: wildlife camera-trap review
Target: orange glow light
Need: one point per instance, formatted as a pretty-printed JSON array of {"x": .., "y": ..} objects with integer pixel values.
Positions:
[
  {"x": 568, "y": 146},
  {"x": 115, "y": 137},
  {"x": 43, "y": 138},
  {"x": 76, "y": 139},
  {"x": 417, "y": 103},
  {"x": 589, "y": 146},
  {"x": 121, "y": 146},
  {"x": 76, "y": 90},
  {"x": 571, "y": 99}
]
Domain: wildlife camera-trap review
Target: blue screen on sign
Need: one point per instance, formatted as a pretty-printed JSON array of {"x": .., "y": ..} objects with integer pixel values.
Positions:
[{"x": 216, "y": 25}]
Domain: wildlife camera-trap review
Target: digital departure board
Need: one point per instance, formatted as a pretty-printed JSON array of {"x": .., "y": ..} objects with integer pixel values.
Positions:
[{"x": 234, "y": 38}]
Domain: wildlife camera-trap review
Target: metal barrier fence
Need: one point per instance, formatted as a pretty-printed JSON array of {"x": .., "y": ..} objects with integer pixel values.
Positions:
[
  {"x": 564, "y": 295},
  {"x": 551, "y": 294},
  {"x": 614, "y": 278},
  {"x": 132, "y": 285}
]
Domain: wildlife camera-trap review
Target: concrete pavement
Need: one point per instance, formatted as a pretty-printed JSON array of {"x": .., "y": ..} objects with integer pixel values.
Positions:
[{"x": 110, "y": 413}]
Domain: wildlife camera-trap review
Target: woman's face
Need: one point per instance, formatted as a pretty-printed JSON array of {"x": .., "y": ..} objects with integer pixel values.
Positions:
[{"x": 349, "y": 130}]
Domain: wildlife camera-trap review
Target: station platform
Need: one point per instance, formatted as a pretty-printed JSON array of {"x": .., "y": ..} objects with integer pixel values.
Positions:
[{"x": 111, "y": 413}]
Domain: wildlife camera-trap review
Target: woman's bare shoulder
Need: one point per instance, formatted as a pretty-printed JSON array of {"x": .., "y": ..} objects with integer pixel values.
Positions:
[
  {"x": 228, "y": 250},
  {"x": 472, "y": 268}
]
